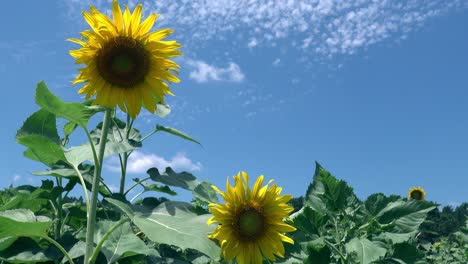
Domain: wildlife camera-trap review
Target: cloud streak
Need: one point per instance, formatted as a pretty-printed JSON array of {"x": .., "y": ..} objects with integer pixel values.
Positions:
[
  {"x": 140, "y": 162},
  {"x": 204, "y": 72},
  {"x": 326, "y": 27}
]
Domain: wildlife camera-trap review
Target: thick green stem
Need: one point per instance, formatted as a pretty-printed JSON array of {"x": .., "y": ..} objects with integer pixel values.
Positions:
[
  {"x": 91, "y": 221},
  {"x": 123, "y": 166},
  {"x": 104, "y": 238}
]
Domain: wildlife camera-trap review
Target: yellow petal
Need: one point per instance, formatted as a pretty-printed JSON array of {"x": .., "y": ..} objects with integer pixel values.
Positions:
[{"x": 117, "y": 15}]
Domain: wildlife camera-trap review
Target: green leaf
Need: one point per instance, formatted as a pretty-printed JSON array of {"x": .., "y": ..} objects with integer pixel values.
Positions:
[
  {"x": 40, "y": 123},
  {"x": 367, "y": 251},
  {"x": 79, "y": 154},
  {"x": 176, "y": 132},
  {"x": 87, "y": 171},
  {"x": 318, "y": 252},
  {"x": 327, "y": 194},
  {"x": 21, "y": 222},
  {"x": 408, "y": 214},
  {"x": 204, "y": 192},
  {"x": 117, "y": 133},
  {"x": 173, "y": 223},
  {"x": 123, "y": 207},
  {"x": 42, "y": 149},
  {"x": 74, "y": 112},
  {"x": 407, "y": 252},
  {"x": 377, "y": 201},
  {"x": 121, "y": 243},
  {"x": 309, "y": 221},
  {"x": 156, "y": 188},
  {"x": 183, "y": 180},
  {"x": 26, "y": 250},
  {"x": 68, "y": 128}
]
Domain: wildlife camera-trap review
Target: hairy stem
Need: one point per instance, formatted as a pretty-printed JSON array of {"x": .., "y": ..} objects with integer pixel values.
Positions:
[{"x": 91, "y": 221}]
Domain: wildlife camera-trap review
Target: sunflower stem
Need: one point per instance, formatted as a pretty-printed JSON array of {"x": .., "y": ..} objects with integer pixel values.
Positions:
[{"x": 91, "y": 221}]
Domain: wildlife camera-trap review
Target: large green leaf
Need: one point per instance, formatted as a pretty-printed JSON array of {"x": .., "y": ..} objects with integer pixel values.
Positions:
[
  {"x": 183, "y": 180},
  {"x": 41, "y": 123},
  {"x": 79, "y": 154},
  {"x": 42, "y": 149},
  {"x": 327, "y": 194},
  {"x": 309, "y": 221},
  {"x": 176, "y": 132},
  {"x": 74, "y": 112},
  {"x": 174, "y": 223},
  {"x": 377, "y": 201},
  {"x": 26, "y": 250},
  {"x": 407, "y": 215},
  {"x": 155, "y": 187},
  {"x": 206, "y": 193},
  {"x": 22, "y": 222},
  {"x": 366, "y": 250},
  {"x": 407, "y": 252},
  {"x": 118, "y": 133},
  {"x": 87, "y": 171},
  {"x": 317, "y": 252},
  {"x": 121, "y": 243}
]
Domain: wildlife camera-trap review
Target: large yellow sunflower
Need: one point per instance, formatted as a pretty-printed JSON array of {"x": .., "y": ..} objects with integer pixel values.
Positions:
[
  {"x": 251, "y": 220},
  {"x": 416, "y": 193},
  {"x": 126, "y": 65}
]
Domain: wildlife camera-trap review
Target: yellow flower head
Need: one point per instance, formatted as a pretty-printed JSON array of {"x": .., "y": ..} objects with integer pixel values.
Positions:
[
  {"x": 251, "y": 220},
  {"x": 416, "y": 193},
  {"x": 126, "y": 64}
]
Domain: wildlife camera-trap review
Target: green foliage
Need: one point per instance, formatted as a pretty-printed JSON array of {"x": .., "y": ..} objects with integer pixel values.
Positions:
[{"x": 43, "y": 225}]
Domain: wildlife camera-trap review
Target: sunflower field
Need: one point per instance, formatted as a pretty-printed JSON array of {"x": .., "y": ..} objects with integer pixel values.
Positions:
[{"x": 127, "y": 67}]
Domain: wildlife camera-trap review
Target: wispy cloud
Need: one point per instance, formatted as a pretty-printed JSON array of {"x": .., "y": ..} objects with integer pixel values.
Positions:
[
  {"x": 326, "y": 27},
  {"x": 140, "y": 162},
  {"x": 204, "y": 72}
]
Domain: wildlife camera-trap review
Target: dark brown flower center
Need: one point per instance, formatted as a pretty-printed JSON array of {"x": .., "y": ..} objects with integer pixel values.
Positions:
[
  {"x": 417, "y": 195},
  {"x": 250, "y": 224},
  {"x": 123, "y": 62}
]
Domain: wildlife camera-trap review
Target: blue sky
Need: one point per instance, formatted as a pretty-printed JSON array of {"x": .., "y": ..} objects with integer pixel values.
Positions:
[{"x": 375, "y": 91}]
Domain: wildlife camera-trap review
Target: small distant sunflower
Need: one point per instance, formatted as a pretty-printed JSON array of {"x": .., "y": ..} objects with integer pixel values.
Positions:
[
  {"x": 126, "y": 65},
  {"x": 251, "y": 220},
  {"x": 416, "y": 193}
]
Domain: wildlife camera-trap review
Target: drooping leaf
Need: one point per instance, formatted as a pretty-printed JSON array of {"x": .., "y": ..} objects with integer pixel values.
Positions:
[
  {"x": 42, "y": 149},
  {"x": 156, "y": 187},
  {"x": 40, "y": 123},
  {"x": 74, "y": 112},
  {"x": 87, "y": 171},
  {"x": 176, "y": 132},
  {"x": 204, "y": 192},
  {"x": 118, "y": 133},
  {"x": 79, "y": 154},
  {"x": 22, "y": 222},
  {"x": 183, "y": 180}
]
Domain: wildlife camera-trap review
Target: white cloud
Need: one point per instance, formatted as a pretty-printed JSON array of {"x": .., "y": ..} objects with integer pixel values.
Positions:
[
  {"x": 204, "y": 72},
  {"x": 252, "y": 43},
  {"x": 276, "y": 62},
  {"x": 326, "y": 27},
  {"x": 140, "y": 162}
]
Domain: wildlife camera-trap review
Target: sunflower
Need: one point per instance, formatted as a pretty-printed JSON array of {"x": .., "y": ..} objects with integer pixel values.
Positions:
[
  {"x": 251, "y": 220},
  {"x": 416, "y": 193},
  {"x": 126, "y": 64}
]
